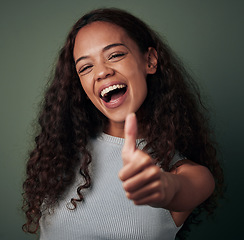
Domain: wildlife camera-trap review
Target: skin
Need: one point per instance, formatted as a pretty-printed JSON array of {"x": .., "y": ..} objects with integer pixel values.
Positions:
[
  {"x": 105, "y": 55},
  {"x": 179, "y": 191}
]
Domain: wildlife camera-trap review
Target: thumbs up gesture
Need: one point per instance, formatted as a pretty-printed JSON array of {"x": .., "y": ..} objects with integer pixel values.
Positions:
[{"x": 143, "y": 181}]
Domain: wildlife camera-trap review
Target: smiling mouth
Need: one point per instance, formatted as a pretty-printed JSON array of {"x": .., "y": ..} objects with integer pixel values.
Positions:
[{"x": 113, "y": 92}]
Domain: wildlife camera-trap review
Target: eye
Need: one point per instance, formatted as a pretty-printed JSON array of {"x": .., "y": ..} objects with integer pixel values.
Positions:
[
  {"x": 85, "y": 69},
  {"x": 116, "y": 56}
]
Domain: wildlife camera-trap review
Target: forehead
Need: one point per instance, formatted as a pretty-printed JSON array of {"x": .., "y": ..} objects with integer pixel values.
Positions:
[{"x": 97, "y": 35}]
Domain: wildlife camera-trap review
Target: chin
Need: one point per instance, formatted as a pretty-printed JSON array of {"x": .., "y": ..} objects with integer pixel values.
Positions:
[{"x": 117, "y": 119}]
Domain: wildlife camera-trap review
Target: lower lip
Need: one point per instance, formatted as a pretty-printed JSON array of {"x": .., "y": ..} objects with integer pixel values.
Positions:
[{"x": 117, "y": 102}]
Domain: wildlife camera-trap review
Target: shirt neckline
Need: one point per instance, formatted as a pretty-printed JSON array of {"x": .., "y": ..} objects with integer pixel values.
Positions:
[{"x": 117, "y": 140}]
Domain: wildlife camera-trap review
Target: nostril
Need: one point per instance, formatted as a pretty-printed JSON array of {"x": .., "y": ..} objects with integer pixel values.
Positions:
[{"x": 108, "y": 75}]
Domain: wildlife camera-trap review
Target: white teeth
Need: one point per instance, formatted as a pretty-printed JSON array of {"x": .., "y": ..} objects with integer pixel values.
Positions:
[{"x": 111, "y": 88}]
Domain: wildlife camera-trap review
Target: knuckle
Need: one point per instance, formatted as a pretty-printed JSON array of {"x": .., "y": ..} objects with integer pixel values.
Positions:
[
  {"x": 127, "y": 187},
  {"x": 121, "y": 175},
  {"x": 145, "y": 160},
  {"x": 154, "y": 171},
  {"x": 129, "y": 195},
  {"x": 157, "y": 185},
  {"x": 159, "y": 196}
]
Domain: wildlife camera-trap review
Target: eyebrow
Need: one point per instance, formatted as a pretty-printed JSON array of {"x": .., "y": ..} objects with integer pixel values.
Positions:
[{"x": 104, "y": 49}]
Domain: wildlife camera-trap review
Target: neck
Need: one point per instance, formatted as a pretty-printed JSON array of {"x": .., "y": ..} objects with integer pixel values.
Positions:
[{"x": 115, "y": 129}]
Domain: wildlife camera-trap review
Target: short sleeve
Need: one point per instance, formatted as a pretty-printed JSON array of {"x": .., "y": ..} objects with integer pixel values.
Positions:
[{"x": 177, "y": 157}]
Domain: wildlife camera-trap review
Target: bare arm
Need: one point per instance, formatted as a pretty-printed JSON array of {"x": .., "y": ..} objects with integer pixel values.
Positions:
[{"x": 179, "y": 191}]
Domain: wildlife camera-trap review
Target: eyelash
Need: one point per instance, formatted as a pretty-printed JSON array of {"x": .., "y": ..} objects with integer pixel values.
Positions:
[
  {"x": 111, "y": 57},
  {"x": 115, "y": 55},
  {"x": 84, "y": 68}
]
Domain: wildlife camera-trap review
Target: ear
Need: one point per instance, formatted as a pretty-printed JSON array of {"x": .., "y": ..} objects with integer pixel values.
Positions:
[{"x": 152, "y": 60}]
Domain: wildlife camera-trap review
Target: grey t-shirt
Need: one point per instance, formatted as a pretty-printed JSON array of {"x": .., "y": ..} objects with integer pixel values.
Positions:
[{"x": 106, "y": 213}]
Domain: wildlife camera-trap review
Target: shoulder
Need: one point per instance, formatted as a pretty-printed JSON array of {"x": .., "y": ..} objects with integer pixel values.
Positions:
[
  {"x": 198, "y": 176},
  {"x": 198, "y": 183},
  {"x": 188, "y": 166}
]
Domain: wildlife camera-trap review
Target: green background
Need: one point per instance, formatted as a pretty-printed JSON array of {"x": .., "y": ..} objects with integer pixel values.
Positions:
[{"x": 207, "y": 35}]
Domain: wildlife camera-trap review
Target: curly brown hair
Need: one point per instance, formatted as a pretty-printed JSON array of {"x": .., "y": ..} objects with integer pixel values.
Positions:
[{"x": 174, "y": 117}]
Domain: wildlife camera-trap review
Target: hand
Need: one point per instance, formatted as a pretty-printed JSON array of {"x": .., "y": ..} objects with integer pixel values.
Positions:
[{"x": 143, "y": 181}]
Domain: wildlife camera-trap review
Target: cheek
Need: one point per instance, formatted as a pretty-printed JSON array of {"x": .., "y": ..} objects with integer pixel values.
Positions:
[
  {"x": 137, "y": 71},
  {"x": 138, "y": 79}
]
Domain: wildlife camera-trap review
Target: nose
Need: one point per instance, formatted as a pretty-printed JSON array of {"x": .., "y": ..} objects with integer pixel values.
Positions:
[{"x": 102, "y": 71}]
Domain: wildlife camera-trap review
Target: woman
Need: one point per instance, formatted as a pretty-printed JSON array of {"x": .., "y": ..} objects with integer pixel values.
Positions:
[{"x": 120, "y": 107}]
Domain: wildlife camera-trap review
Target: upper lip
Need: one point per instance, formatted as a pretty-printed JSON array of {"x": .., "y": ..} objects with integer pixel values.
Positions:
[{"x": 109, "y": 85}]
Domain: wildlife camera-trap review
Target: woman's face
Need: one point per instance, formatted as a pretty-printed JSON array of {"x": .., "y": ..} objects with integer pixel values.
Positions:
[{"x": 112, "y": 70}]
